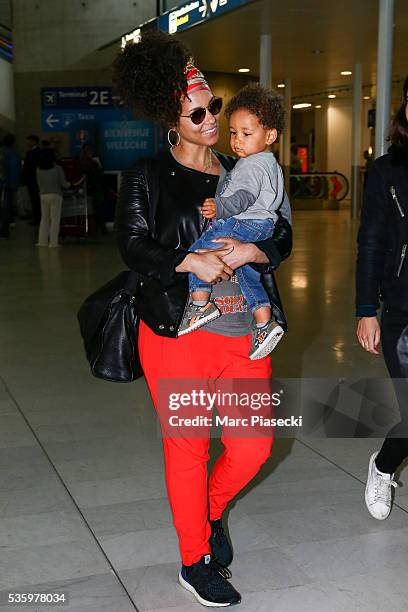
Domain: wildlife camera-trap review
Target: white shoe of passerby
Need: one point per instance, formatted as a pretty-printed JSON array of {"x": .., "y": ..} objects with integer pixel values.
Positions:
[{"x": 378, "y": 493}]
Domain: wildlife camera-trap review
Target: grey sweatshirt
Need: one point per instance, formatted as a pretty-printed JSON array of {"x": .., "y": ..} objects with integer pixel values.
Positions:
[
  {"x": 53, "y": 180},
  {"x": 254, "y": 189}
]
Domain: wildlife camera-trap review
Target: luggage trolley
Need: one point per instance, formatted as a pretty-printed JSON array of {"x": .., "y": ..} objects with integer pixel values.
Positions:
[{"x": 75, "y": 221}]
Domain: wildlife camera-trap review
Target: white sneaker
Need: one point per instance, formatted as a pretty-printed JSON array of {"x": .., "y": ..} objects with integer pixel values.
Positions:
[{"x": 378, "y": 493}]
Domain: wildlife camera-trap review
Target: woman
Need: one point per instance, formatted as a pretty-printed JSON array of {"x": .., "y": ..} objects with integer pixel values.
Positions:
[
  {"x": 382, "y": 271},
  {"x": 51, "y": 181},
  {"x": 158, "y": 218}
]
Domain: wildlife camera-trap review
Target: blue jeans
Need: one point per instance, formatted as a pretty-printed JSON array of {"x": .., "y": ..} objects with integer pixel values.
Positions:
[{"x": 245, "y": 230}]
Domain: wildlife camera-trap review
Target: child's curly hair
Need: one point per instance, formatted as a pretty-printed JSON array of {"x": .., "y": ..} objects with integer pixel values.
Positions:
[
  {"x": 265, "y": 103},
  {"x": 149, "y": 76}
]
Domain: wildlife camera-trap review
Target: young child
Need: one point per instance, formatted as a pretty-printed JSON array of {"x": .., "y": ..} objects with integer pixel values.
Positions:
[{"x": 245, "y": 209}]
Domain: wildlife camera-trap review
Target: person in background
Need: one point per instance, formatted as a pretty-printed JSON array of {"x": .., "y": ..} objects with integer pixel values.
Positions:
[
  {"x": 11, "y": 164},
  {"x": 51, "y": 181},
  {"x": 382, "y": 270},
  {"x": 369, "y": 160},
  {"x": 295, "y": 163},
  {"x": 91, "y": 167},
  {"x": 30, "y": 176},
  {"x": 55, "y": 144}
]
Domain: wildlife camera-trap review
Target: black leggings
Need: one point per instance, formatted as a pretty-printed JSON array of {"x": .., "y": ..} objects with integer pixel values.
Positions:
[{"x": 395, "y": 447}]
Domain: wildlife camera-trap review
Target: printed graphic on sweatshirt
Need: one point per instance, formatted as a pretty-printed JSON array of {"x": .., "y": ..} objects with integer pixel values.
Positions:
[{"x": 231, "y": 304}]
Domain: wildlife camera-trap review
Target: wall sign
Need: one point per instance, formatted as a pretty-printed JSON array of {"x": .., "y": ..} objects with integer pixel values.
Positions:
[
  {"x": 122, "y": 142},
  {"x": 91, "y": 114}
]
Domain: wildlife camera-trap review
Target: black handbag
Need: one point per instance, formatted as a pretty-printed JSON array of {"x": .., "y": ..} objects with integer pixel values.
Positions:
[{"x": 108, "y": 322}]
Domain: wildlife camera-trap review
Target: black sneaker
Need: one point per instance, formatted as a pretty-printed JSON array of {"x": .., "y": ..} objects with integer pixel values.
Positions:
[
  {"x": 220, "y": 544},
  {"x": 206, "y": 581}
]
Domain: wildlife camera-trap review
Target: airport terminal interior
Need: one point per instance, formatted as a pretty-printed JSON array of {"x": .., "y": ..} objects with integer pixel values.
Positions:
[{"x": 83, "y": 501}]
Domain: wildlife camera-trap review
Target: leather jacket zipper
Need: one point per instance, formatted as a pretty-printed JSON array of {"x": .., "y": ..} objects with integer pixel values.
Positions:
[
  {"x": 395, "y": 198},
  {"x": 402, "y": 258}
]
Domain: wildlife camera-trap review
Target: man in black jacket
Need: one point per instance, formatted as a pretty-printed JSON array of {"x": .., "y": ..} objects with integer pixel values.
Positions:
[
  {"x": 382, "y": 273},
  {"x": 30, "y": 177}
]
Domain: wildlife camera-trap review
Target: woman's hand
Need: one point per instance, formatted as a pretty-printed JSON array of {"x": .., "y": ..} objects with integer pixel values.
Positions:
[
  {"x": 240, "y": 253},
  {"x": 209, "y": 208},
  {"x": 369, "y": 334},
  {"x": 208, "y": 266}
]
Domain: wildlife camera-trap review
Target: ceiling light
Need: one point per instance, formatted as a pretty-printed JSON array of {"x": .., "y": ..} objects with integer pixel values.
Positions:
[
  {"x": 331, "y": 96},
  {"x": 366, "y": 97},
  {"x": 318, "y": 106},
  {"x": 317, "y": 51},
  {"x": 281, "y": 85},
  {"x": 302, "y": 105},
  {"x": 346, "y": 72},
  {"x": 244, "y": 69}
]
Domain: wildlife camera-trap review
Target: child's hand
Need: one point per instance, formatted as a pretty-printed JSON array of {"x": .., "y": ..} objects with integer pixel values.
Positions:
[{"x": 209, "y": 208}]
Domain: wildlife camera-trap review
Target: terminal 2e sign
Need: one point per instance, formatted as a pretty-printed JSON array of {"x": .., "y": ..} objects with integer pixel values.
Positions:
[
  {"x": 93, "y": 114},
  {"x": 62, "y": 106}
]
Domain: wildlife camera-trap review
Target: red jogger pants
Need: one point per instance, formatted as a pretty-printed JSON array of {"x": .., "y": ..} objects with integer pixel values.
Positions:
[{"x": 195, "y": 499}]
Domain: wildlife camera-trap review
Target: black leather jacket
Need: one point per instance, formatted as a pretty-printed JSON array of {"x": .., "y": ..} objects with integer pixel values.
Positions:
[
  {"x": 158, "y": 219},
  {"x": 382, "y": 266}
]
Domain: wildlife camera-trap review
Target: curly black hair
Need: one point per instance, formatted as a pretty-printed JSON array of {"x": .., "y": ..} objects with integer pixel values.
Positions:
[
  {"x": 265, "y": 103},
  {"x": 149, "y": 76}
]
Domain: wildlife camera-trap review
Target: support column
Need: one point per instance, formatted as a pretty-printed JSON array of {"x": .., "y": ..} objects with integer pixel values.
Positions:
[
  {"x": 265, "y": 60},
  {"x": 384, "y": 74},
  {"x": 285, "y": 139},
  {"x": 356, "y": 141}
]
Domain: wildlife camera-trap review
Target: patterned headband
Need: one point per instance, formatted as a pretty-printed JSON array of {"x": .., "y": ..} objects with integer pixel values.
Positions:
[{"x": 195, "y": 79}]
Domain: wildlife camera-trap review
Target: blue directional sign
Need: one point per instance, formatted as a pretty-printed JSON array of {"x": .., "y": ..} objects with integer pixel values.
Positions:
[
  {"x": 59, "y": 120},
  {"x": 76, "y": 97},
  {"x": 92, "y": 114},
  {"x": 190, "y": 13},
  {"x": 62, "y": 106},
  {"x": 184, "y": 16}
]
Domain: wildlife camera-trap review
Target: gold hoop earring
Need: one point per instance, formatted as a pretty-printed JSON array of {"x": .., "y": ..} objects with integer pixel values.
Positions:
[{"x": 173, "y": 144}]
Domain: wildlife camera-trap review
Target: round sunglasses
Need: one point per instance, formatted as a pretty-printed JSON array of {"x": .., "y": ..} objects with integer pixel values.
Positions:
[{"x": 198, "y": 114}]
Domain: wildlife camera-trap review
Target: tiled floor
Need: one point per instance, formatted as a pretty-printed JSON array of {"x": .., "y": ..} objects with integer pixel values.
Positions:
[{"x": 83, "y": 504}]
